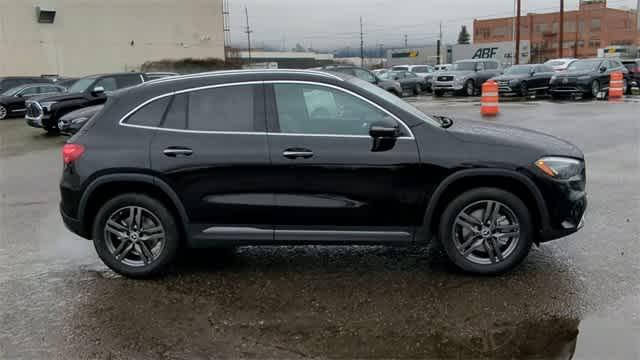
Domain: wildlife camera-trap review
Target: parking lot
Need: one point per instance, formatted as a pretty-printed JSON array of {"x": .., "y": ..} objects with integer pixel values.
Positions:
[{"x": 574, "y": 298}]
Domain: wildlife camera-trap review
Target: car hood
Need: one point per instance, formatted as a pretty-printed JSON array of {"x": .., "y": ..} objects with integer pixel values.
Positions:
[
  {"x": 511, "y": 136},
  {"x": 455, "y": 73},
  {"x": 383, "y": 83},
  {"x": 511, "y": 77},
  {"x": 58, "y": 98},
  {"x": 84, "y": 112}
]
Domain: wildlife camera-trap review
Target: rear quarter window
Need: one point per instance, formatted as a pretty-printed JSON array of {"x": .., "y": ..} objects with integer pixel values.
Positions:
[
  {"x": 228, "y": 108},
  {"x": 149, "y": 115}
]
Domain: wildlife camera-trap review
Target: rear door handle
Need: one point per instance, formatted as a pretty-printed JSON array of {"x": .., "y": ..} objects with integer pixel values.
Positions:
[
  {"x": 175, "y": 151},
  {"x": 295, "y": 153}
]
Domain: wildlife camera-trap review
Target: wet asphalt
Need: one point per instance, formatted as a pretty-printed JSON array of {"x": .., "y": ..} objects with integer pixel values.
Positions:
[{"x": 575, "y": 298}]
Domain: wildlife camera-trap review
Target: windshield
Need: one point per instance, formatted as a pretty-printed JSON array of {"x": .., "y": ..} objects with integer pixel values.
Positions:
[
  {"x": 555, "y": 63},
  {"x": 518, "y": 69},
  {"x": 81, "y": 85},
  {"x": 385, "y": 95},
  {"x": 12, "y": 92},
  {"x": 464, "y": 66},
  {"x": 585, "y": 65}
]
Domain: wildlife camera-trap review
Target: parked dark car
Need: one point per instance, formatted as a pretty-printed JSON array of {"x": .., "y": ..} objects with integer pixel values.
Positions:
[
  {"x": 587, "y": 77},
  {"x": 305, "y": 157},
  {"x": 45, "y": 112},
  {"x": 465, "y": 76},
  {"x": 12, "y": 101},
  {"x": 409, "y": 81},
  {"x": 10, "y": 82},
  {"x": 634, "y": 73},
  {"x": 524, "y": 79},
  {"x": 72, "y": 122},
  {"x": 391, "y": 86}
]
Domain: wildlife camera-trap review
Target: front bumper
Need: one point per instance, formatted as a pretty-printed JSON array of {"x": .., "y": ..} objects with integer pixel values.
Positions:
[
  {"x": 571, "y": 87},
  {"x": 566, "y": 204},
  {"x": 446, "y": 86}
]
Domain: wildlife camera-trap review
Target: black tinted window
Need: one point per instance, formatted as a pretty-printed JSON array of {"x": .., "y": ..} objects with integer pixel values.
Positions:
[
  {"x": 150, "y": 114},
  {"x": 176, "y": 117},
  {"x": 108, "y": 83},
  {"x": 229, "y": 108},
  {"x": 30, "y": 91},
  {"x": 50, "y": 89},
  {"x": 124, "y": 81},
  {"x": 490, "y": 65}
]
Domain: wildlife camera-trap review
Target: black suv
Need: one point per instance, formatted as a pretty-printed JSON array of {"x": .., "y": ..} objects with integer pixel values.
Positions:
[
  {"x": 587, "y": 77},
  {"x": 45, "y": 112},
  {"x": 303, "y": 157}
]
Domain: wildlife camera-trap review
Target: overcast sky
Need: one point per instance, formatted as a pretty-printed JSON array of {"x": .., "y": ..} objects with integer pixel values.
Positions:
[{"x": 335, "y": 23}]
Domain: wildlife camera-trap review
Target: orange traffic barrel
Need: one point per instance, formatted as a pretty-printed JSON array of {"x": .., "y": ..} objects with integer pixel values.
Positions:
[
  {"x": 616, "y": 85},
  {"x": 490, "y": 97}
]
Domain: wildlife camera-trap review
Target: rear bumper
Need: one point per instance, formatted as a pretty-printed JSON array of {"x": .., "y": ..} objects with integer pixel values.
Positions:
[{"x": 74, "y": 225}]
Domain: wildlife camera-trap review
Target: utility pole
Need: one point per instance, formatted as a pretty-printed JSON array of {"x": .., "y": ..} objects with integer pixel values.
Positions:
[
  {"x": 575, "y": 52},
  {"x": 361, "y": 44},
  {"x": 381, "y": 55},
  {"x": 638, "y": 15},
  {"x": 561, "y": 28},
  {"x": 248, "y": 31},
  {"x": 406, "y": 41},
  {"x": 439, "y": 47},
  {"x": 227, "y": 28},
  {"x": 518, "y": 10}
]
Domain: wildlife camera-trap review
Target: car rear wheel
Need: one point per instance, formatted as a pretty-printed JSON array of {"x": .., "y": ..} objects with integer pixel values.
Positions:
[
  {"x": 135, "y": 235},
  {"x": 486, "y": 231},
  {"x": 3, "y": 112},
  {"x": 470, "y": 88}
]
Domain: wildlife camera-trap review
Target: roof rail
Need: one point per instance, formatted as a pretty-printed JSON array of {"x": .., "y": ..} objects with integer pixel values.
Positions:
[{"x": 240, "y": 72}]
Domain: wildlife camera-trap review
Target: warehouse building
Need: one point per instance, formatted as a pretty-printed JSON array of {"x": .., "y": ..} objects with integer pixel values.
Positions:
[
  {"x": 80, "y": 37},
  {"x": 592, "y": 26}
]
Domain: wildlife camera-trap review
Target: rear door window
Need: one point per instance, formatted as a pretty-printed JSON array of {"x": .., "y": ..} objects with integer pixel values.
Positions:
[
  {"x": 150, "y": 114},
  {"x": 34, "y": 90},
  {"x": 228, "y": 108},
  {"x": 176, "y": 117}
]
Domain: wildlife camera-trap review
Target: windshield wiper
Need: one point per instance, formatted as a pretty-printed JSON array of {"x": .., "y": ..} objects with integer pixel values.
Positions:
[{"x": 445, "y": 122}]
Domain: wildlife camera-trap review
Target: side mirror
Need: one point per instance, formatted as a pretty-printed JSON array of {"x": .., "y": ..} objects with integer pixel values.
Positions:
[
  {"x": 384, "y": 129},
  {"x": 603, "y": 69},
  {"x": 98, "y": 90},
  {"x": 20, "y": 95},
  {"x": 532, "y": 72}
]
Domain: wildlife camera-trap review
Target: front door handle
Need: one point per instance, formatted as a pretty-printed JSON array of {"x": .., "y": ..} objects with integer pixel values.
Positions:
[
  {"x": 175, "y": 151},
  {"x": 295, "y": 153}
]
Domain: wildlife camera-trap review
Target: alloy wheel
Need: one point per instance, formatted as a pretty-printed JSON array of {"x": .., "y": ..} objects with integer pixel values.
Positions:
[
  {"x": 524, "y": 89},
  {"x": 134, "y": 236},
  {"x": 3, "y": 112},
  {"x": 486, "y": 232},
  {"x": 595, "y": 88},
  {"x": 471, "y": 90}
]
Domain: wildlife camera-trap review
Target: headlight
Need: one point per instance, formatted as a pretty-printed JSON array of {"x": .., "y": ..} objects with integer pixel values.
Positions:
[
  {"x": 586, "y": 77},
  {"x": 559, "y": 167},
  {"x": 554, "y": 78},
  {"x": 458, "y": 80},
  {"x": 47, "y": 105}
]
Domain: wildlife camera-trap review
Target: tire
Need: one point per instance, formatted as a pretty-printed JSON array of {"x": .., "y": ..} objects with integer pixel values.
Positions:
[
  {"x": 595, "y": 88},
  {"x": 417, "y": 90},
  {"x": 395, "y": 93},
  {"x": 159, "y": 252},
  {"x": 469, "y": 88},
  {"x": 524, "y": 89},
  {"x": 4, "y": 113},
  {"x": 438, "y": 93},
  {"x": 625, "y": 87},
  {"x": 513, "y": 216}
]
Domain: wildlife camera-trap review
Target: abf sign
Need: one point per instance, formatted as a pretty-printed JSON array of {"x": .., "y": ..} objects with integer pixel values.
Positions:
[{"x": 504, "y": 52}]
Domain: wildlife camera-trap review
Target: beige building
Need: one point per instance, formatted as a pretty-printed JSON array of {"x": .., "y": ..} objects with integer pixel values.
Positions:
[{"x": 80, "y": 37}]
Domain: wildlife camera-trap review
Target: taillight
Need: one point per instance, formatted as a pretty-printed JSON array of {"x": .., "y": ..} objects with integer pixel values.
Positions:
[
  {"x": 71, "y": 153},
  {"x": 637, "y": 70}
]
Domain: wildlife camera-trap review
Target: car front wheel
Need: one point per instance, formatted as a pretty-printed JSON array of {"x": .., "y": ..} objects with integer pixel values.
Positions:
[
  {"x": 135, "y": 235},
  {"x": 595, "y": 88},
  {"x": 3, "y": 112},
  {"x": 417, "y": 90},
  {"x": 486, "y": 231},
  {"x": 470, "y": 88}
]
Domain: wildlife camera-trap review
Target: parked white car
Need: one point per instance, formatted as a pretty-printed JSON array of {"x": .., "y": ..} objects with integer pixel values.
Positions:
[
  {"x": 442, "y": 67},
  {"x": 560, "y": 64}
]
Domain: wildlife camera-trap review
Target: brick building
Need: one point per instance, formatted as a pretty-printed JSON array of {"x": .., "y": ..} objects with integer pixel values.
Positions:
[{"x": 597, "y": 26}]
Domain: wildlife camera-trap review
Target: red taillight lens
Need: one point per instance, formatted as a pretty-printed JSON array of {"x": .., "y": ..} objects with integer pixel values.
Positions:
[
  {"x": 71, "y": 153},
  {"x": 637, "y": 70}
]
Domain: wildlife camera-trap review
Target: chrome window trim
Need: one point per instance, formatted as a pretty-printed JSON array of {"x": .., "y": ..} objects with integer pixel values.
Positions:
[{"x": 143, "y": 104}]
